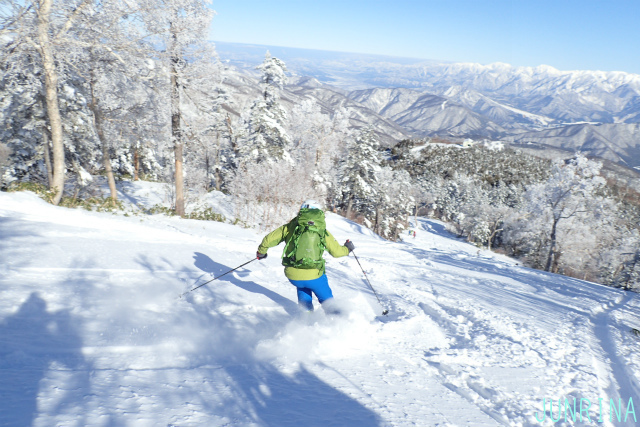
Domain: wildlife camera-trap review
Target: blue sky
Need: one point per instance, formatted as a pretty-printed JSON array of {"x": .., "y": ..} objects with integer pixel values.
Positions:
[{"x": 566, "y": 34}]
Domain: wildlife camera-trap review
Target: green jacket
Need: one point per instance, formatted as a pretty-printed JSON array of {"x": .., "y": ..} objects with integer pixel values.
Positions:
[{"x": 283, "y": 234}]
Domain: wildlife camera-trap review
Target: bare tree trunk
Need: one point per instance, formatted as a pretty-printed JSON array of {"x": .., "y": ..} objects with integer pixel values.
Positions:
[
  {"x": 552, "y": 245},
  {"x": 97, "y": 121},
  {"x": 216, "y": 168},
  {"x": 178, "y": 149},
  {"x": 176, "y": 132},
  {"x": 209, "y": 159},
  {"x": 232, "y": 138},
  {"x": 47, "y": 155},
  {"x": 491, "y": 238},
  {"x": 376, "y": 226},
  {"x": 349, "y": 206},
  {"x": 555, "y": 267},
  {"x": 136, "y": 164},
  {"x": 51, "y": 96},
  {"x": 110, "y": 178},
  {"x": 218, "y": 178}
]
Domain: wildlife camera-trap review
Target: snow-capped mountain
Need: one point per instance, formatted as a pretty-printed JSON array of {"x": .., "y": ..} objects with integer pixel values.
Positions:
[
  {"x": 508, "y": 117},
  {"x": 362, "y": 115},
  {"x": 567, "y": 96},
  {"x": 497, "y": 101},
  {"x": 426, "y": 114},
  {"x": 564, "y": 96},
  {"x": 617, "y": 142},
  {"x": 246, "y": 88}
]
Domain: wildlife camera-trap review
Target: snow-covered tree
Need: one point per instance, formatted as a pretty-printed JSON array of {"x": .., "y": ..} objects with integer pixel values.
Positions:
[
  {"x": 357, "y": 174},
  {"x": 206, "y": 121},
  {"x": 316, "y": 142},
  {"x": 119, "y": 73},
  {"x": 61, "y": 50},
  {"x": 394, "y": 202},
  {"x": 269, "y": 194},
  {"x": 5, "y": 152},
  {"x": 267, "y": 138},
  {"x": 627, "y": 263},
  {"x": 23, "y": 115},
  {"x": 182, "y": 28},
  {"x": 42, "y": 33},
  {"x": 556, "y": 210},
  {"x": 29, "y": 135}
]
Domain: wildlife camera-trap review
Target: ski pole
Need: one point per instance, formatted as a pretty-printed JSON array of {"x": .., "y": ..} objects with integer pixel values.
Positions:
[
  {"x": 216, "y": 278},
  {"x": 384, "y": 310}
]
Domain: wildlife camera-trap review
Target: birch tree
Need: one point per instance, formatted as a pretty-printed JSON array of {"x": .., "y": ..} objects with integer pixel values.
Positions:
[
  {"x": 44, "y": 26},
  {"x": 72, "y": 40},
  {"x": 183, "y": 27}
]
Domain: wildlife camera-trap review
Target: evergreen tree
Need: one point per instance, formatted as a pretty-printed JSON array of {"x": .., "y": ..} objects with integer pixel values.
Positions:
[
  {"x": 267, "y": 138},
  {"x": 358, "y": 169},
  {"x": 394, "y": 202},
  {"x": 23, "y": 115}
]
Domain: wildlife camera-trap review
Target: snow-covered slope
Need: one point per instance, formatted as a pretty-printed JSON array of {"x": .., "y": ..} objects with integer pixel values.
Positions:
[
  {"x": 402, "y": 102},
  {"x": 617, "y": 142},
  {"x": 92, "y": 331},
  {"x": 426, "y": 114},
  {"x": 361, "y": 116},
  {"x": 503, "y": 114}
]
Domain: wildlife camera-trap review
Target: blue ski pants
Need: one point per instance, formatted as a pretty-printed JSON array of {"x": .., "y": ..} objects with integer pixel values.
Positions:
[{"x": 319, "y": 287}]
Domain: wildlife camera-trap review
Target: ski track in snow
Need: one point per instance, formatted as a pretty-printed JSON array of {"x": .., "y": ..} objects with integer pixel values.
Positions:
[{"x": 92, "y": 331}]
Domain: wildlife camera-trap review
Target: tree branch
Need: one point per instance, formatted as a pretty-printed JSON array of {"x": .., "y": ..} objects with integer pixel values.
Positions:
[
  {"x": 5, "y": 28},
  {"x": 32, "y": 43},
  {"x": 69, "y": 22}
]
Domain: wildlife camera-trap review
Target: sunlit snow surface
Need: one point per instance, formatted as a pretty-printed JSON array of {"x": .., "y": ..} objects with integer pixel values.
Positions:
[{"x": 93, "y": 333}]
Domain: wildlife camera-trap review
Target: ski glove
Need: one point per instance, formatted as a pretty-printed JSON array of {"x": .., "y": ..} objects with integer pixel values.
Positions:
[
  {"x": 260, "y": 256},
  {"x": 349, "y": 245}
]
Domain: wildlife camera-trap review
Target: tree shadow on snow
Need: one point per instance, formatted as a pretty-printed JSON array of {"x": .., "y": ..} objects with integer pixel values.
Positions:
[
  {"x": 13, "y": 235},
  {"x": 273, "y": 399},
  {"x": 31, "y": 341},
  {"x": 206, "y": 264}
]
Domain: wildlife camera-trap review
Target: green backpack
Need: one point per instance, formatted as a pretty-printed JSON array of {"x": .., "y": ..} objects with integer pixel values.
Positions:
[{"x": 307, "y": 244}]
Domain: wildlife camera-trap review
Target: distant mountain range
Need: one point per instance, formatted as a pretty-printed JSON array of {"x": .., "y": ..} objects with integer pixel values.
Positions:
[
  {"x": 592, "y": 111},
  {"x": 245, "y": 88},
  {"x": 617, "y": 142}
]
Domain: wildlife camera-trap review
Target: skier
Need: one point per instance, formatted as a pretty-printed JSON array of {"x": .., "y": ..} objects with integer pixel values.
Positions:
[{"x": 306, "y": 239}]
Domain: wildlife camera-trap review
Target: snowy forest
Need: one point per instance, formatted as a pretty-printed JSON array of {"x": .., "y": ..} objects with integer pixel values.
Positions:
[{"x": 92, "y": 93}]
